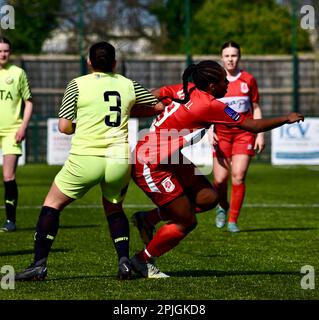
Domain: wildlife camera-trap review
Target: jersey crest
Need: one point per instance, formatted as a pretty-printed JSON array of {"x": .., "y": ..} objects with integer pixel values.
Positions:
[
  {"x": 9, "y": 80},
  {"x": 168, "y": 185},
  {"x": 244, "y": 87}
]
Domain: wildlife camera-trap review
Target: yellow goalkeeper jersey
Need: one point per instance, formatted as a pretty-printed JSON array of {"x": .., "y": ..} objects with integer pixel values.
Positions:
[
  {"x": 14, "y": 88},
  {"x": 101, "y": 104}
]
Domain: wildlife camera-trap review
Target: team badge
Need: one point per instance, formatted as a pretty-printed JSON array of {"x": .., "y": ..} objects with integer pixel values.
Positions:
[
  {"x": 168, "y": 185},
  {"x": 9, "y": 80},
  {"x": 249, "y": 147},
  {"x": 244, "y": 87}
]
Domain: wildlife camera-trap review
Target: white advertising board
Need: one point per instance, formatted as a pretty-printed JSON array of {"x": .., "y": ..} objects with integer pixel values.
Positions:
[{"x": 296, "y": 143}]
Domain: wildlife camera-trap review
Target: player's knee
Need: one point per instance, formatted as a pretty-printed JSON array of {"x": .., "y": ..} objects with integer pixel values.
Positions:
[
  {"x": 238, "y": 178},
  {"x": 207, "y": 199}
]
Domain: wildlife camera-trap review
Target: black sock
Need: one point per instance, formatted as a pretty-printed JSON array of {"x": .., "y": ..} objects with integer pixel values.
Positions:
[
  {"x": 119, "y": 230},
  {"x": 47, "y": 229},
  {"x": 10, "y": 199}
]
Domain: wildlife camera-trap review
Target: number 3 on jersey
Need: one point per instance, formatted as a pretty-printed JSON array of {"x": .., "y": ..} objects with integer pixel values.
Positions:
[{"x": 115, "y": 111}]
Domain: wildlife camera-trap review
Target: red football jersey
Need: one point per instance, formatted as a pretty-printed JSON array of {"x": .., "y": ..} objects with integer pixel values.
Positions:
[
  {"x": 182, "y": 124},
  {"x": 242, "y": 92}
]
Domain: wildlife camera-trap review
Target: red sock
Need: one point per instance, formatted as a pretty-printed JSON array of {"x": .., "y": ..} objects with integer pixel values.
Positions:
[
  {"x": 221, "y": 189},
  {"x": 236, "y": 201},
  {"x": 166, "y": 238}
]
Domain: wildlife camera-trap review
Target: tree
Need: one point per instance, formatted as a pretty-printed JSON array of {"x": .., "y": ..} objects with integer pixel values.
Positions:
[
  {"x": 260, "y": 26},
  {"x": 34, "y": 20},
  {"x": 171, "y": 16}
]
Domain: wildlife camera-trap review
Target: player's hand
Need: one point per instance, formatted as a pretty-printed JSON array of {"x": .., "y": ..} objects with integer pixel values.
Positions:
[
  {"x": 295, "y": 117},
  {"x": 212, "y": 137},
  {"x": 260, "y": 142},
  {"x": 20, "y": 135}
]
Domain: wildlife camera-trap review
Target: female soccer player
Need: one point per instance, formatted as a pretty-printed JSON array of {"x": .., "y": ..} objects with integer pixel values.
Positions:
[
  {"x": 234, "y": 147},
  {"x": 101, "y": 103},
  {"x": 15, "y": 91},
  {"x": 169, "y": 179}
]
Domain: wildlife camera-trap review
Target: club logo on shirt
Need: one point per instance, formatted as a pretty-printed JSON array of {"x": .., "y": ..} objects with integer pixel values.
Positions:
[
  {"x": 244, "y": 87},
  {"x": 168, "y": 185},
  {"x": 232, "y": 113},
  {"x": 9, "y": 80}
]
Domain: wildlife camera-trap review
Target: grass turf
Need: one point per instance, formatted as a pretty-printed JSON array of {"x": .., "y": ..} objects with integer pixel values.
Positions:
[{"x": 279, "y": 223}]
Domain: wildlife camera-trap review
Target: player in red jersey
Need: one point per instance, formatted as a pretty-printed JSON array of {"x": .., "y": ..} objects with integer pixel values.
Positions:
[
  {"x": 169, "y": 179},
  {"x": 234, "y": 147}
]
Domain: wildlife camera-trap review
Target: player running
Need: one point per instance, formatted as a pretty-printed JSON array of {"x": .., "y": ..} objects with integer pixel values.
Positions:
[{"x": 169, "y": 179}]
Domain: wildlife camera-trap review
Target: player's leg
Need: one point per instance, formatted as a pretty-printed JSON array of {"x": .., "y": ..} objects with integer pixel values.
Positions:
[
  {"x": 10, "y": 190},
  {"x": 243, "y": 150},
  {"x": 240, "y": 164},
  {"x": 221, "y": 168},
  {"x": 11, "y": 152},
  {"x": 145, "y": 221},
  {"x": 168, "y": 236},
  {"x": 162, "y": 185},
  {"x": 76, "y": 177},
  {"x": 114, "y": 188},
  {"x": 199, "y": 189},
  {"x": 46, "y": 231}
]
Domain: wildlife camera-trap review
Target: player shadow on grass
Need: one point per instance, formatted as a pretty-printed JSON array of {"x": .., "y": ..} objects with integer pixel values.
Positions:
[
  {"x": 219, "y": 273},
  {"x": 277, "y": 229},
  {"x": 64, "y": 227},
  {"x": 82, "y": 277},
  {"x": 28, "y": 251}
]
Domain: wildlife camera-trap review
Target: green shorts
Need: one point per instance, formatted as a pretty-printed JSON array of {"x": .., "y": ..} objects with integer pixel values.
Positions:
[
  {"x": 9, "y": 146},
  {"x": 81, "y": 173}
]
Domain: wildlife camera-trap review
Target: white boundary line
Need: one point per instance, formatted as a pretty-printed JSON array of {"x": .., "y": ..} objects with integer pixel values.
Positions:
[{"x": 136, "y": 206}]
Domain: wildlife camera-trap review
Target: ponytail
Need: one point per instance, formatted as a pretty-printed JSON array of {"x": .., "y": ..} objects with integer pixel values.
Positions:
[
  {"x": 187, "y": 75},
  {"x": 202, "y": 74}
]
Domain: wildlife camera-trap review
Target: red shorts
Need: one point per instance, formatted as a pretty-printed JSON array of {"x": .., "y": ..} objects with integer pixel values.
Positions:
[
  {"x": 164, "y": 183},
  {"x": 230, "y": 144}
]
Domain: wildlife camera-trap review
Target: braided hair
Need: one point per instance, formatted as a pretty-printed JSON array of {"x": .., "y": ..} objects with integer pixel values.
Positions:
[{"x": 202, "y": 74}]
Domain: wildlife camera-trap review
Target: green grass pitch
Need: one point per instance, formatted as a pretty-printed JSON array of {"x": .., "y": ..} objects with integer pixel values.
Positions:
[{"x": 279, "y": 223}]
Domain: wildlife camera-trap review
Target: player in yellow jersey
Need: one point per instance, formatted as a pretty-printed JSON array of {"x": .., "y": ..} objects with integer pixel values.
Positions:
[
  {"x": 101, "y": 104},
  {"x": 14, "y": 93}
]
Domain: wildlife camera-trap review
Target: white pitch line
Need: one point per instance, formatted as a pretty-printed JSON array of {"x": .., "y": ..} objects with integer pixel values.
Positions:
[{"x": 136, "y": 206}]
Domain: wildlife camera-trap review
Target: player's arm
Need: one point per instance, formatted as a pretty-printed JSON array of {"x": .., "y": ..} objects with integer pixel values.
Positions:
[
  {"x": 67, "y": 112},
  {"x": 261, "y": 125},
  {"x": 260, "y": 139},
  {"x": 146, "y": 111},
  {"x": 25, "y": 92},
  {"x": 27, "y": 114},
  {"x": 146, "y": 104}
]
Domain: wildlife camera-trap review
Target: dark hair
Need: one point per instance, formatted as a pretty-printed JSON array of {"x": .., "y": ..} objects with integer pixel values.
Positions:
[
  {"x": 102, "y": 56},
  {"x": 5, "y": 40},
  {"x": 232, "y": 44},
  {"x": 202, "y": 74}
]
